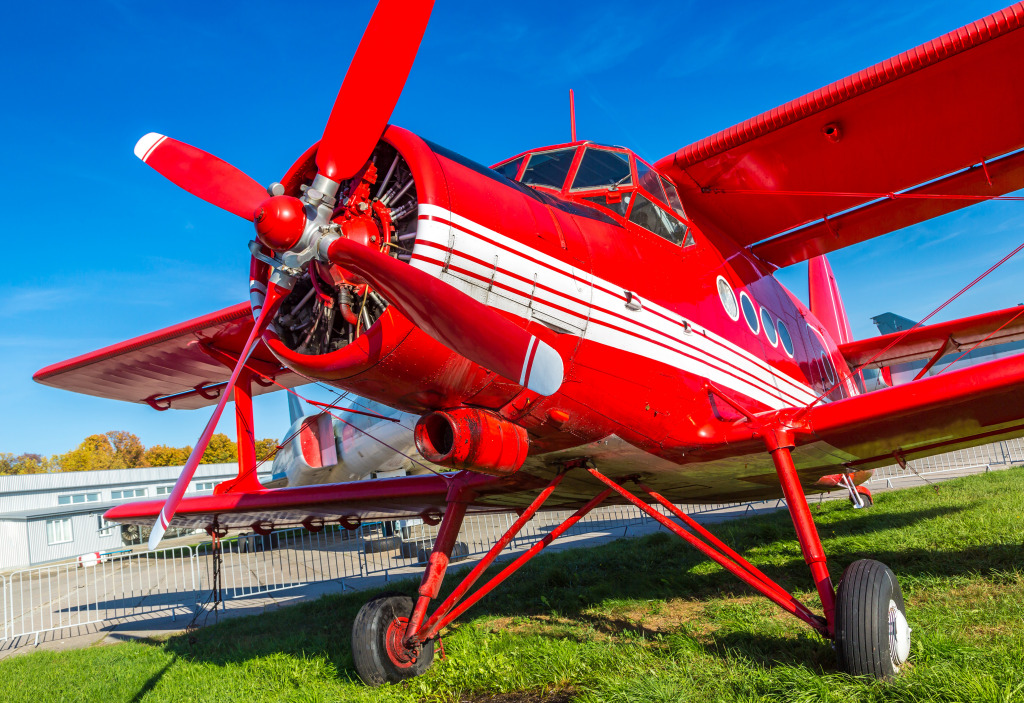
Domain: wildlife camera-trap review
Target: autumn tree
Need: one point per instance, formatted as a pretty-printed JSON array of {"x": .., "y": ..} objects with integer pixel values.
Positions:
[
  {"x": 24, "y": 464},
  {"x": 265, "y": 448},
  {"x": 162, "y": 455},
  {"x": 129, "y": 451},
  {"x": 220, "y": 450},
  {"x": 114, "y": 450},
  {"x": 123, "y": 450}
]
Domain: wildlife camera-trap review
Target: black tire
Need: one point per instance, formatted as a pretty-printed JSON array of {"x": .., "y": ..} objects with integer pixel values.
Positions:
[
  {"x": 380, "y": 544},
  {"x": 460, "y": 551},
  {"x": 411, "y": 548},
  {"x": 870, "y": 639},
  {"x": 376, "y": 649}
]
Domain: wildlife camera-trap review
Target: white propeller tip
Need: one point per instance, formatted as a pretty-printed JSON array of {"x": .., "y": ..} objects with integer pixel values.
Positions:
[{"x": 144, "y": 147}]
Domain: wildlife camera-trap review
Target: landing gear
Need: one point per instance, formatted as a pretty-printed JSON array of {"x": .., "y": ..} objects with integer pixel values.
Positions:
[
  {"x": 378, "y": 642},
  {"x": 872, "y": 636},
  {"x": 393, "y": 638},
  {"x": 860, "y": 496},
  {"x": 866, "y": 501}
]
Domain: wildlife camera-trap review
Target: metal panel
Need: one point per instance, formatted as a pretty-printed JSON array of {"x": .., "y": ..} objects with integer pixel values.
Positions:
[{"x": 13, "y": 544}]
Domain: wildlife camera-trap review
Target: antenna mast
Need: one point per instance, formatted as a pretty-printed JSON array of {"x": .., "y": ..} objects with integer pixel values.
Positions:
[{"x": 572, "y": 114}]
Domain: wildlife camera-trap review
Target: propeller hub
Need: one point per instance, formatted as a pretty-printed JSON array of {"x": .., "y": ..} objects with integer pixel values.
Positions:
[
  {"x": 280, "y": 222},
  {"x": 361, "y": 230}
]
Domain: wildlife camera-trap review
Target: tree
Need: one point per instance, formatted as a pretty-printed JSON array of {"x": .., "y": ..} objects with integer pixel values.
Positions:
[
  {"x": 162, "y": 455},
  {"x": 24, "y": 464},
  {"x": 221, "y": 450},
  {"x": 95, "y": 453},
  {"x": 129, "y": 452},
  {"x": 265, "y": 448},
  {"x": 114, "y": 450},
  {"x": 123, "y": 450}
]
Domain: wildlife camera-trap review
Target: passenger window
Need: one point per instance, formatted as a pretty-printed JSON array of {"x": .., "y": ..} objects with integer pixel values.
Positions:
[
  {"x": 602, "y": 168},
  {"x": 549, "y": 168},
  {"x": 652, "y": 217},
  {"x": 510, "y": 169}
]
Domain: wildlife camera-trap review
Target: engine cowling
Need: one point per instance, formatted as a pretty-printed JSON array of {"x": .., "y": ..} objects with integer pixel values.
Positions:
[{"x": 472, "y": 439}]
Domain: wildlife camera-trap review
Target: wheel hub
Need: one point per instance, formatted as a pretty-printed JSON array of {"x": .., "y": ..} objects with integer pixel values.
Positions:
[
  {"x": 400, "y": 655},
  {"x": 899, "y": 635}
]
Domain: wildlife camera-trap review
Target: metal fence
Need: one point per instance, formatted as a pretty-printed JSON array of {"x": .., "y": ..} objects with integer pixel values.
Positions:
[
  {"x": 120, "y": 587},
  {"x": 1003, "y": 453},
  {"x": 71, "y": 595}
]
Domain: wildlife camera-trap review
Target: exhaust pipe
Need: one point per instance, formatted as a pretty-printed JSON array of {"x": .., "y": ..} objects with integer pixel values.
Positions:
[{"x": 472, "y": 439}]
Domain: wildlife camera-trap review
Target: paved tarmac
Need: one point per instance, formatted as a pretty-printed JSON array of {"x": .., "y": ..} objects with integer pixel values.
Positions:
[{"x": 152, "y": 591}]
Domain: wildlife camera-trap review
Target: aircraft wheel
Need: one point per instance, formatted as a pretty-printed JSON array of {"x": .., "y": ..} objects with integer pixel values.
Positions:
[
  {"x": 865, "y": 496},
  {"x": 377, "y": 648},
  {"x": 872, "y": 635}
]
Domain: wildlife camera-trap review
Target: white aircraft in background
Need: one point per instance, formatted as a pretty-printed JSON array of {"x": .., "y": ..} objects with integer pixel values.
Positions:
[{"x": 322, "y": 448}]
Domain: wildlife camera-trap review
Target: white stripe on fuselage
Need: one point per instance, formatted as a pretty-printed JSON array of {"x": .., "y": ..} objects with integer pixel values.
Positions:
[{"x": 653, "y": 332}]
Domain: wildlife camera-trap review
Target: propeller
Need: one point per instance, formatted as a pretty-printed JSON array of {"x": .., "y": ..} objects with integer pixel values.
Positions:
[
  {"x": 201, "y": 174},
  {"x": 299, "y": 230},
  {"x": 371, "y": 87},
  {"x": 464, "y": 325}
]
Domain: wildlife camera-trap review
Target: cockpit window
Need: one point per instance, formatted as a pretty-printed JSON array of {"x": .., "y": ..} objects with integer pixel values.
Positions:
[
  {"x": 548, "y": 168},
  {"x": 618, "y": 206},
  {"x": 650, "y": 181},
  {"x": 602, "y": 168},
  {"x": 651, "y": 216},
  {"x": 510, "y": 169},
  {"x": 673, "y": 197}
]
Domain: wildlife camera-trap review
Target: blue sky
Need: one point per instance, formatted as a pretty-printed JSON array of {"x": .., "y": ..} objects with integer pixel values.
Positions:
[{"x": 99, "y": 248}]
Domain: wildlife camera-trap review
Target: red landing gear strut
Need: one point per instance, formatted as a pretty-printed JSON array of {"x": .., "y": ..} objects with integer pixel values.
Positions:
[{"x": 393, "y": 639}]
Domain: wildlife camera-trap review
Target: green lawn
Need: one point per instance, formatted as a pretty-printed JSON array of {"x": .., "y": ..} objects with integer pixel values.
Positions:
[{"x": 635, "y": 620}]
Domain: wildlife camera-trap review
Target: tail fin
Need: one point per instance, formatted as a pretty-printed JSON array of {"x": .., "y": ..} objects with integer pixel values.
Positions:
[
  {"x": 295, "y": 409},
  {"x": 826, "y": 303},
  {"x": 889, "y": 322}
]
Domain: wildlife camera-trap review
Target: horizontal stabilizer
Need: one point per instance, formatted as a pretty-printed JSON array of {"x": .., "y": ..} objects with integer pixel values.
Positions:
[
  {"x": 943, "y": 413},
  {"x": 983, "y": 330},
  {"x": 185, "y": 366}
]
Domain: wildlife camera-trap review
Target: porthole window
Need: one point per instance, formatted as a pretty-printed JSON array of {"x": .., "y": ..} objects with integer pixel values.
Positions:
[
  {"x": 769, "y": 327},
  {"x": 750, "y": 313},
  {"x": 785, "y": 338},
  {"x": 732, "y": 309},
  {"x": 828, "y": 368}
]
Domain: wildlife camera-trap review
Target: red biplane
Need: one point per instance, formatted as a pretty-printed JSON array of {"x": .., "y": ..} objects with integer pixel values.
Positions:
[{"x": 578, "y": 326}]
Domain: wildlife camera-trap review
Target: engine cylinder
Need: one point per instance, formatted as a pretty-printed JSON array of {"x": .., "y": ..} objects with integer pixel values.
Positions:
[{"x": 472, "y": 439}]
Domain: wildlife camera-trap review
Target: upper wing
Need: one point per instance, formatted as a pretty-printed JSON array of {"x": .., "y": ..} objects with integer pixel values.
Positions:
[
  {"x": 185, "y": 366},
  {"x": 949, "y": 110},
  {"x": 985, "y": 330}
]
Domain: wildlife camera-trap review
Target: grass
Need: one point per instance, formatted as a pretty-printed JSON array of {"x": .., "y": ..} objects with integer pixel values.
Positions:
[{"x": 635, "y": 620}]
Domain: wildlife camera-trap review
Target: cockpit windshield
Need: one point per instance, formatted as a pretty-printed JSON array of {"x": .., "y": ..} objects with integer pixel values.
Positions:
[
  {"x": 600, "y": 168},
  {"x": 548, "y": 168}
]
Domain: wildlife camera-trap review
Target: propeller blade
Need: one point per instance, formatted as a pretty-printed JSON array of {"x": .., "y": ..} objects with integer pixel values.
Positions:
[
  {"x": 275, "y": 294},
  {"x": 201, "y": 174},
  {"x": 372, "y": 85},
  {"x": 459, "y": 322}
]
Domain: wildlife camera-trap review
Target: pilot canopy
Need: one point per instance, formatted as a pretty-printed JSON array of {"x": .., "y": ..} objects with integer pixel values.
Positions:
[{"x": 611, "y": 178}]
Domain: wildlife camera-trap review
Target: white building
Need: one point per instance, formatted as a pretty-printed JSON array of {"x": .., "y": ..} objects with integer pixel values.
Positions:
[{"x": 47, "y": 517}]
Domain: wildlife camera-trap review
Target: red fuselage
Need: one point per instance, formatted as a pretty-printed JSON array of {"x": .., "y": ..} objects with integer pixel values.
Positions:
[{"x": 643, "y": 324}]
